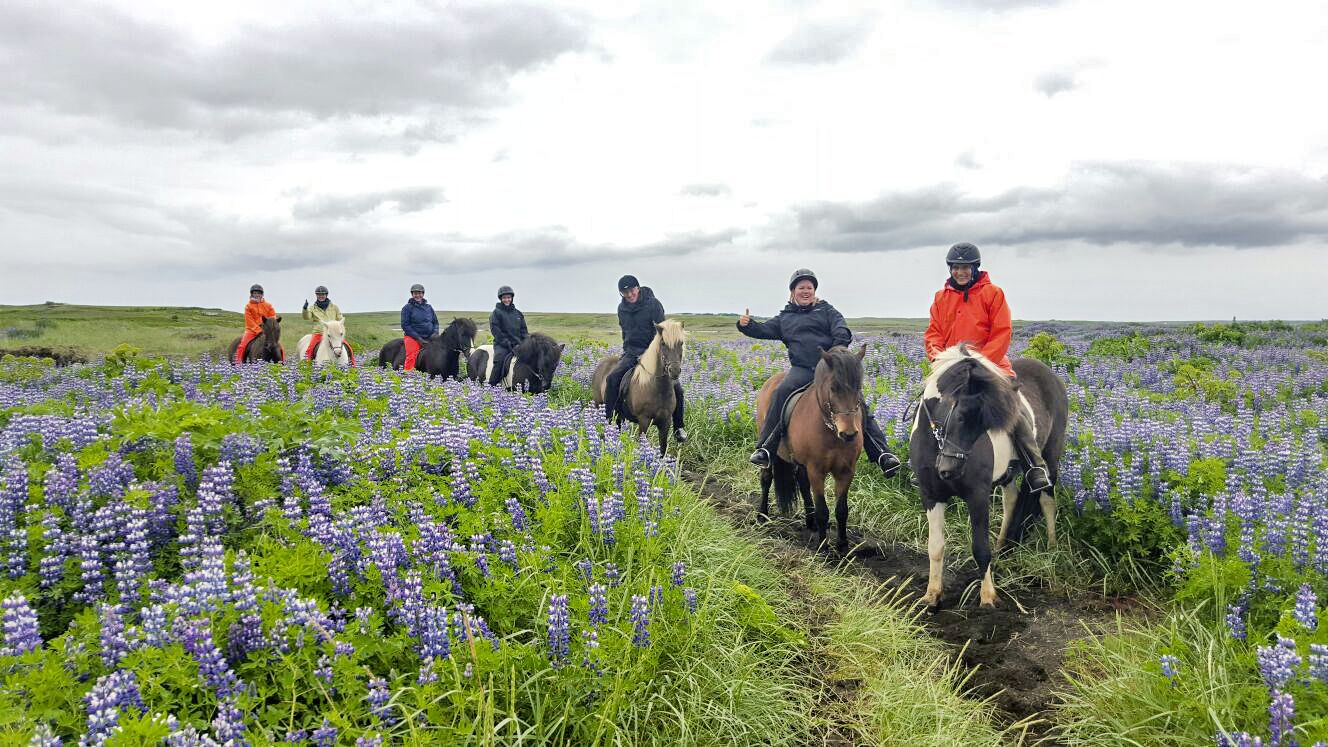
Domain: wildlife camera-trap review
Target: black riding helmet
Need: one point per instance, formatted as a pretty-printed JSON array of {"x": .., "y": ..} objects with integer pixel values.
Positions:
[
  {"x": 964, "y": 253},
  {"x": 320, "y": 289},
  {"x": 255, "y": 288},
  {"x": 506, "y": 290},
  {"x": 803, "y": 274}
]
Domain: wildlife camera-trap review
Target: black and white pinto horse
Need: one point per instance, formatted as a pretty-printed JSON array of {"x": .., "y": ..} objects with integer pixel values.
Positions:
[
  {"x": 961, "y": 446},
  {"x": 440, "y": 356},
  {"x": 530, "y": 367}
]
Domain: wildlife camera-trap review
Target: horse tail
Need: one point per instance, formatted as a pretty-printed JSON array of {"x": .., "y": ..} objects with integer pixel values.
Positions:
[{"x": 786, "y": 482}]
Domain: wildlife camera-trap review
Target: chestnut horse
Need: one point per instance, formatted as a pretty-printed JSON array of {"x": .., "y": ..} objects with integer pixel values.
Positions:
[{"x": 823, "y": 438}]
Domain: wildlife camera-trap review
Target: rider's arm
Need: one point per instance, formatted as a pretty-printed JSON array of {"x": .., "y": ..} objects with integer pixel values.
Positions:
[
  {"x": 998, "y": 344},
  {"x": 305, "y": 313},
  {"x": 433, "y": 325},
  {"x": 840, "y": 334},
  {"x": 523, "y": 333},
  {"x": 935, "y": 336},
  {"x": 769, "y": 330}
]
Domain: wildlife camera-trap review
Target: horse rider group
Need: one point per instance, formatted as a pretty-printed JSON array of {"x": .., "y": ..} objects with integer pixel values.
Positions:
[{"x": 968, "y": 308}]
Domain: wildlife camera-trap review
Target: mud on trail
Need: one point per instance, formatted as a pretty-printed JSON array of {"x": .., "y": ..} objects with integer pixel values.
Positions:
[{"x": 1014, "y": 651}]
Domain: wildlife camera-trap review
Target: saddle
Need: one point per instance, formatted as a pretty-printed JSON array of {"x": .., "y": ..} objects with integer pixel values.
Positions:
[{"x": 791, "y": 403}]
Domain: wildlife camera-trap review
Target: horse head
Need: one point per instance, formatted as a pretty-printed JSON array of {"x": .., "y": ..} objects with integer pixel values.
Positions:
[
  {"x": 838, "y": 385},
  {"x": 971, "y": 398},
  {"x": 271, "y": 338},
  {"x": 673, "y": 340},
  {"x": 335, "y": 334},
  {"x": 537, "y": 357}
]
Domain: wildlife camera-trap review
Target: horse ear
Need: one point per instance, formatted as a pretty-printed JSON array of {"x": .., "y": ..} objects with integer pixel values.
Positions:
[
  {"x": 562, "y": 346},
  {"x": 659, "y": 326},
  {"x": 863, "y": 352},
  {"x": 278, "y": 320}
]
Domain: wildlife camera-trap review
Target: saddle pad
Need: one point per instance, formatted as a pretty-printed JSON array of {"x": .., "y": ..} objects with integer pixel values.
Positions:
[{"x": 791, "y": 403}]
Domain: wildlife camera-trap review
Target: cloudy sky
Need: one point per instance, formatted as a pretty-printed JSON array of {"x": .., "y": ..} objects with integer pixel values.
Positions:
[{"x": 1113, "y": 160}]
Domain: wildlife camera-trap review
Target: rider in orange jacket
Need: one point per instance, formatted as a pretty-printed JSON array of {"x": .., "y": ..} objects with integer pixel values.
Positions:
[{"x": 971, "y": 309}]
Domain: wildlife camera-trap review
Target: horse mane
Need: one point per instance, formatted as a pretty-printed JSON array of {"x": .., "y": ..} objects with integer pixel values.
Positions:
[
  {"x": 844, "y": 368},
  {"x": 949, "y": 357},
  {"x": 669, "y": 332},
  {"x": 460, "y": 328},
  {"x": 979, "y": 384}
]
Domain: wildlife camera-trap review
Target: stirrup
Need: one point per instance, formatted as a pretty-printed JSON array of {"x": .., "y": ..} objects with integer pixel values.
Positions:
[
  {"x": 760, "y": 457},
  {"x": 891, "y": 470},
  {"x": 680, "y": 435},
  {"x": 1030, "y": 480}
]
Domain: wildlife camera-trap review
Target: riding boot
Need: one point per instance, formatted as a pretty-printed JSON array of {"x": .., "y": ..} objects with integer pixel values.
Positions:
[
  {"x": 499, "y": 366},
  {"x": 873, "y": 442},
  {"x": 768, "y": 442},
  {"x": 1036, "y": 476},
  {"x": 679, "y": 433}
]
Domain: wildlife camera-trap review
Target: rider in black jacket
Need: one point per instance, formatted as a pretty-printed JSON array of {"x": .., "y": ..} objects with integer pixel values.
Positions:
[
  {"x": 806, "y": 326},
  {"x": 638, "y": 313},
  {"x": 508, "y": 327}
]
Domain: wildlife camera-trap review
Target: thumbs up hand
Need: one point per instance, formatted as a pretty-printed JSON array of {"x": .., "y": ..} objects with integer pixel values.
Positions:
[
  {"x": 306, "y": 303},
  {"x": 746, "y": 318}
]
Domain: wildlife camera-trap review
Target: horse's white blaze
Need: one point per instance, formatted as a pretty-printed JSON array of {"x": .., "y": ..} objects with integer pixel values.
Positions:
[
  {"x": 935, "y": 554},
  {"x": 1002, "y": 451}
]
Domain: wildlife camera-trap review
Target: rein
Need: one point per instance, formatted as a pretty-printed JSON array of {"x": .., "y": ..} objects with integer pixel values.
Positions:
[
  {"x": 828, "y": 413},
  {"x": 940, "y": 433}
]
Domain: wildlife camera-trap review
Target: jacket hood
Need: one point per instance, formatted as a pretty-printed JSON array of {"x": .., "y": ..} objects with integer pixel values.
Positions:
[
  {"x": 641, "y": 301},
  {"x": 981, "y": 280}
]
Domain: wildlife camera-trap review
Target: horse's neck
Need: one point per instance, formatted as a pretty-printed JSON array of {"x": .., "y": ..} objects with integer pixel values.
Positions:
[{"x": 648, "y": 363}]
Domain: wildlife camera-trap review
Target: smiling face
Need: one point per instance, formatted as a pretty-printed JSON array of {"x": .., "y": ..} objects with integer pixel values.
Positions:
[
  {"x": 632, "y": 294},
  {"x": 804, "y": 293},
  {"x": 506, "y": 299},
  {"x": 962, "y": 274}
]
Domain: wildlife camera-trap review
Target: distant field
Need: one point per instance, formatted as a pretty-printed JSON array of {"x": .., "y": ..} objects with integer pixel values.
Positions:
[{"x": 190, "y": 331}]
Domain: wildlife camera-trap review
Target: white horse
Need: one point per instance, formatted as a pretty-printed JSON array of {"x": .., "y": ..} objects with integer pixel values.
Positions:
[{"x": 332, "y": 348}]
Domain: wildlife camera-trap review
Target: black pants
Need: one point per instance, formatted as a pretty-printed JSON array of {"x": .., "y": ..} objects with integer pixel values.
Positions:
[
  {"x": 501, "y": 356},
  {"x": 613, "y": 385},
  {"x": 873, "y": 440}
]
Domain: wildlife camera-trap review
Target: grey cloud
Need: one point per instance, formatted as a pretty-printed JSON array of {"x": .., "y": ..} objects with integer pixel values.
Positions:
[
  {"x": 437, "y": 60},
  {"x": 556, "y": 247},
  {"x": 705, "y": 190},
  {"x": 1150, "y": 204},
  {"x": 821, "y": 42},
  {"x": 1059, "y": 81},
  {"x": 995, "y": 6},
  {"x": 344, "y": 207}
]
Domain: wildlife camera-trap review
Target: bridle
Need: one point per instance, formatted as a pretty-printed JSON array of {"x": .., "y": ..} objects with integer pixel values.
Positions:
[
  {"x": 828, "y": 413},
  {"x": 940, "y": 432}
]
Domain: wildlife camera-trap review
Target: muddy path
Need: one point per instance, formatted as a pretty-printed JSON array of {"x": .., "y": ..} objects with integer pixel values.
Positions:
[{"x": 1014, "y": 652}]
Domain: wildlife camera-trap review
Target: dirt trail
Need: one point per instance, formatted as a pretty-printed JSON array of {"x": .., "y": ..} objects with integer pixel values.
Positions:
[{"x": 1014, "y": 651}]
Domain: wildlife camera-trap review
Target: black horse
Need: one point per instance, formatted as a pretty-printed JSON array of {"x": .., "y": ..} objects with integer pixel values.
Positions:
[
  {"x": 265, "y": 347},
  {"x": 440, "y": 356},
  {"x": 961, "y": 446},
  {"x": 531, "y": 365}
]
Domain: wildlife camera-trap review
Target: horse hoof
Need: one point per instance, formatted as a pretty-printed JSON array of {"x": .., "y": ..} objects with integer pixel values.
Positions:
[
  {"x": 988, "y": 604},
  {"x": 762, "y": 518}
]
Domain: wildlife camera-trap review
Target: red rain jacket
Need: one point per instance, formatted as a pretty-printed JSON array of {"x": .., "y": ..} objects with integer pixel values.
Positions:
[{"x": 979, "y": 316}]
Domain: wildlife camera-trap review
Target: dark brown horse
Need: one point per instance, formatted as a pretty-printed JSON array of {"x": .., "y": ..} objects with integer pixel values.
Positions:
[
  {"x": 823, "y": 438},
  {"x": 265, "y": 347},
  {"x": 440, "y": 355}
]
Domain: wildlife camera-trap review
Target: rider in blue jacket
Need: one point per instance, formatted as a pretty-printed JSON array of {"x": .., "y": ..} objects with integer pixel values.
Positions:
[{"x": 418, "y": 324}]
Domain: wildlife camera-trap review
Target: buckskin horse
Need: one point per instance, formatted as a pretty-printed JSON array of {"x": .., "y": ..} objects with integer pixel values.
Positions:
[
  {"x": 961, "y": 446},
  {"x": 648, "y": 395},
  {"x": 823, "y": 437}
]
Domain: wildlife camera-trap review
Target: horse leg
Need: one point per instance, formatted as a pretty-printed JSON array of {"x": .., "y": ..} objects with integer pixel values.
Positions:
[
  {"x": 804, "y": 487},
  {"x": 980, "y": 521},
  {"x": 1009, "y": 496},
  {"x": 1048, "y": 502},
  {"x": 763, "y": 513},
  {"x": 935, "y": 554},
  {"x": 662, "y": 425},
  {"x": 816, "y": 476},
  {"x": 843, "y": 479}
]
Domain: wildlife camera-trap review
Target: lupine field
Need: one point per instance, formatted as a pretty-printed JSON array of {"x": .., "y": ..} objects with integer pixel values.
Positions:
[{"x": 195, "y": 553}]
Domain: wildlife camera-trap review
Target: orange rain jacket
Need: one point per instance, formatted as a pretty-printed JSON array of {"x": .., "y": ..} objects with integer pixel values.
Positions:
[
  {"x": 979, "y": 316},
  {"x": 255, "y": 313}
]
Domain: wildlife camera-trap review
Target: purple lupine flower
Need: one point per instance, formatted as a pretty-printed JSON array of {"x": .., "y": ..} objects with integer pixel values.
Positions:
[
  {"x": 611, "y": 575},
  {"x": 599, "y": 604},
  {"x": 590, "y": 644},
  {"x": 110, "y": 696},
  {"x": 586, "y": 567},
  {"x": 679, "y": 569},
  {"x": 1235, "y": 619},
  {"x": 1281, "y": 719},
  {"x": 185, "y": 466},
  {"x": 1319, "y": 662},
  {"x": 297, "y": 736},
  {"x": 325, "y": 735},
  {"x": 1170, "y": 667},
  {"x": 323, "y": 669},
  {"x": 373, "y": 740},
  {"x": 435, "y": 639},
  {"x": 559, "y": 634},
  {"x": 115, "y": 644},
  {"x": 507, "y": 554},
  {"x": 1306, "y": 607},
  {"x": 62, "y": 482},
  {"x": 378, "y": 699},
  {"x": 1278, "y": 663},
  {"x": 14, "y": 538},
  {"x": 518, "y": 514},
  {"x": 196, "y": 636},
  {"x": 43, "y": 736},
  {"x": 19, "y": 624},
  {"x": 427, "y": 674},
  {"x": 1242, "y": 739},
  {"x": 689, "y": 596},
  {"x": 228, "y": 725},
  {"x": 641, "y": 621}
]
